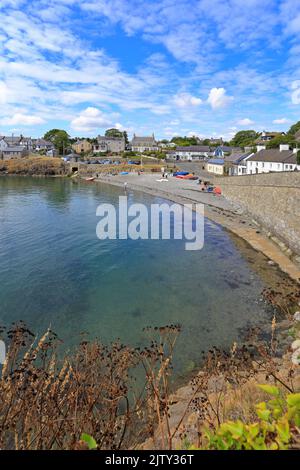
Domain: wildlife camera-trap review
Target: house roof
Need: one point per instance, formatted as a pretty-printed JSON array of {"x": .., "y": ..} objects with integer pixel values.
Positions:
[
  {"x": 216, "y": 161},
  {"x": 193, "y": 148},
  {"x": 274, "y": 155},
  {"x": 41, "y": 142},
  {"x": 107, "y": 138},
  {"x": 15, "y": 148},
  {"x": 138, "y": 140},
  {"x": 227, "y": 148},
  {"x": 237, "y": 157},
  {"x": 12, "y": 139}
]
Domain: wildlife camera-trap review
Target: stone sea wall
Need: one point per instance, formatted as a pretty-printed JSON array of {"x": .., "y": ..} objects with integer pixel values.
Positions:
[{"x": 273, "y": 200}]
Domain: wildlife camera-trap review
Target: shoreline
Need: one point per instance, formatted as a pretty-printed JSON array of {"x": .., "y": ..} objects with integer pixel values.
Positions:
[{"x": 216, "y": 209}]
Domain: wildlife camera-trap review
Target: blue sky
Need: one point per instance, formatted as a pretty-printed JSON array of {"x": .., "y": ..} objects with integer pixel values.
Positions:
[{"x": 184, "y": 67}]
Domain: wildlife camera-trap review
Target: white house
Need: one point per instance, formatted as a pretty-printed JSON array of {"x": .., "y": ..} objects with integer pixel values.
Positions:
[
  {"x": 272, "y": 160},
  {"x": 236, "y": 164},
  {"x": 192, "y": 152},
  {"x": 3, "y": 144}
]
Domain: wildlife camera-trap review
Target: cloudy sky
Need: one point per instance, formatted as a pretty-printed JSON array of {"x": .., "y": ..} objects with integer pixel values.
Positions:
[{"x": 205, "y": 67}]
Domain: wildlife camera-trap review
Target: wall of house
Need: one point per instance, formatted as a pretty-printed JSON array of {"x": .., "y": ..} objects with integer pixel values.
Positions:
[
  {"x": 266, "y": 167},
  {"x": 273, "y": 200},
  {"x": 216, "y": 169}
]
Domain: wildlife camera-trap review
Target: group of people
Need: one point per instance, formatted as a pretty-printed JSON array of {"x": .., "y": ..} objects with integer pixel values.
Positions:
[{"x": 207, "y": 188}]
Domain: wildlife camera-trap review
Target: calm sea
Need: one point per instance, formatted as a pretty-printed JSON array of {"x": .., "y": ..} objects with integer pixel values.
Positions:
[{"x": 54, "y": 271}]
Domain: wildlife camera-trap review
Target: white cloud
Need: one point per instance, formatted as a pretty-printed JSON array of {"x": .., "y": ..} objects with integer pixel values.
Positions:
[
  {"x": 295, "y": 97},
  {"x": 184, "y": 100},
  {"x": 22, "y": 119},
  {"x": 89, "y": 120},
  {"x": 245, "y": 122},
  {"x": 3, "y": 92},
  {"x": 217, "y": 98},
  {"x": 281, "y": 121}
]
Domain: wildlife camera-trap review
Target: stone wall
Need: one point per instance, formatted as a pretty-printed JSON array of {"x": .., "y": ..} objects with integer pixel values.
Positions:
[{"x": 273, "y": 200}]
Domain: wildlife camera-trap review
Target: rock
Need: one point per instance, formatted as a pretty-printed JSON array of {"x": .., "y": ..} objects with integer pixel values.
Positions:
[
  {"x": 271, "y": 263},
  {"x": 296, "y": 357},
  {"x": 296, "y": 344},
  {"x": 296, "y": 316}
]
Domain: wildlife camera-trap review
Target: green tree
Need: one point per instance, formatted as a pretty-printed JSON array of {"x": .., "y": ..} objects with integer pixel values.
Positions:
[
  {"x": 126, "y": 137},
  {"x": 298, "y": 157},
  {"x": 280, "y": 139},
  {"x": 244, "y": 138},
  {"x": 294, "y": 128},
  {"x": 184, "y": 141},
  {"x": 59, "y": 138},
  {"x": 113, "y": 133}
]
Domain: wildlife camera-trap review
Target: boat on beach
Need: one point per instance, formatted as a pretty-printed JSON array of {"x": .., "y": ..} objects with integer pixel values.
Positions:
[{"x": 90, "y": 179}]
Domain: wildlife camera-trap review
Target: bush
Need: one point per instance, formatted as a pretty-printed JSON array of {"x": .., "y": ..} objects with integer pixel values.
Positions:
[{"x": 277, "y": 427}]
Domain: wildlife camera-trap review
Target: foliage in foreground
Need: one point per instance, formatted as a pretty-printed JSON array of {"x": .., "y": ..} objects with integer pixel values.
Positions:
[
  {"x": 277, "y": 428},
  {"x": 47, "y": 403},
  {"x": 90, "y": 398}
]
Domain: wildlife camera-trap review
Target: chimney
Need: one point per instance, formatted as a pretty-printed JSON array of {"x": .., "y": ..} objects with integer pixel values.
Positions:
[
  {"x": 283, "y": 147},
  {"x": 260, "y": 147}
]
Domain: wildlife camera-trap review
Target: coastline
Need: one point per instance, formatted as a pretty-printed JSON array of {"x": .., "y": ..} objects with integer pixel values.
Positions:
[{"x": 217, "y": 209}]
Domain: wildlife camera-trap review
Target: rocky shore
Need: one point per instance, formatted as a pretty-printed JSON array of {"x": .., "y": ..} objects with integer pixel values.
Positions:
[{"x": 35, "y": 166}]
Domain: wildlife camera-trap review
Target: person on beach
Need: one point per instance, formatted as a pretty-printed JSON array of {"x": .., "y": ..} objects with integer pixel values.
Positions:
[{"x": 125, "y": 185}]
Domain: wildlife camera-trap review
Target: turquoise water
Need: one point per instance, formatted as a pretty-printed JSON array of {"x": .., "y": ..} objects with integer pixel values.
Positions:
[{"x": 54, "y": 271}]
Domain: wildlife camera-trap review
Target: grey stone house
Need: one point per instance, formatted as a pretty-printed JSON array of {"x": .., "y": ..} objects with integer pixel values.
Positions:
[
  {"x": 17, "y": 151},
  {"x": 42, "y": 144},
  {"x": 19, "y": 140},
  {"x": 109, "y": 144}
]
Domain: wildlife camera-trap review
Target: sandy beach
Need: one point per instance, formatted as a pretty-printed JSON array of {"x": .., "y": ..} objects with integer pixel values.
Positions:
[{"x": 217, "y": 209}]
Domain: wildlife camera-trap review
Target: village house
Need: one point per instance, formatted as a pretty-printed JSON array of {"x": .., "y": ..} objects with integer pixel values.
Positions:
[
  {"x": 190, "y": 153},
  {"x": 216, "y": 141},
  {"x": 236, "y": 164},
  {"x": 107, "y": 144},
  {"x": 216, "y": 166},
  {"x": 82, "y": 146},
  {"x": 3, "y": 144},
  {"x": 11, "y": 152},
  {"x": 144, "y": 144},
  {"x": 14, "y": 147},
  {"x": 166, "y": 145},
  {"x": 16, "y": 141},
  {"x": 267, "y": 136},
  {"x": 42, "y": 145},
  {"x": 272, "y": 160},
  {"x": 223, "y": 150}
]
